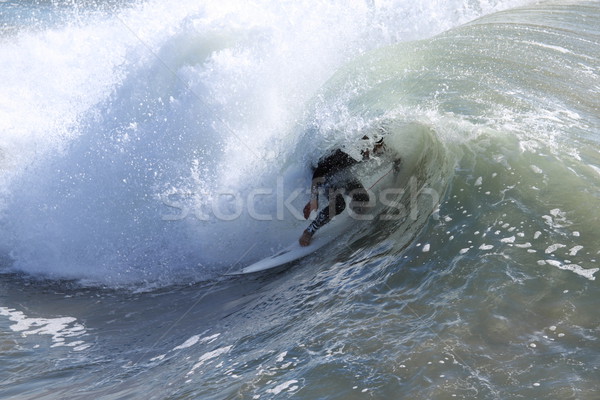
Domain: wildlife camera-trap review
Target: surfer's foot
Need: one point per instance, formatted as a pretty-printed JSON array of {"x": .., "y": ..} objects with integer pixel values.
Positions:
[{"x": 305, "y": 239}]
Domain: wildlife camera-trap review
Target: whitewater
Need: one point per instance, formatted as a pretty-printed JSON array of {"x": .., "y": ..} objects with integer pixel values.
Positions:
[{"x": 150, "y": 148}]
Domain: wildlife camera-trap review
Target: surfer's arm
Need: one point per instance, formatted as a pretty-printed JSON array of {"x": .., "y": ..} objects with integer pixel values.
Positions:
[
  {"x": 318, "y": 178},
  {"x": 313, "y": 203}
]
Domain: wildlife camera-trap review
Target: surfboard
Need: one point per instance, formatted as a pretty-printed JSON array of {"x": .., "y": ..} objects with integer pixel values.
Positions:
[
  {"x": 295, "y": 252},
  {"x": 338, "y": 225}
]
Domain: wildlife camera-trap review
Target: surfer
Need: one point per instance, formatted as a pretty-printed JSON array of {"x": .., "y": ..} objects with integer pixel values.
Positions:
[{"x": 332, "y": 173}]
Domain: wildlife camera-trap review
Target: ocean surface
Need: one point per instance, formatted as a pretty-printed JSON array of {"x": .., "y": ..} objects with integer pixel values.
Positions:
[{"x": 150, "y": 148}]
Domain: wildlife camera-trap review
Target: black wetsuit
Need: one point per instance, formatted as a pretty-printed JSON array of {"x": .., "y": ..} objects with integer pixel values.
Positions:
[{"x": 332, "y": 174}]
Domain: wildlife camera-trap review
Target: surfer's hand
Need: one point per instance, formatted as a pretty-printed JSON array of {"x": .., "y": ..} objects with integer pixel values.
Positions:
[
  {"x": 309, "y": 207},
  {"x": 305, "y": 239},
  {"x": 307, "y": 210}
]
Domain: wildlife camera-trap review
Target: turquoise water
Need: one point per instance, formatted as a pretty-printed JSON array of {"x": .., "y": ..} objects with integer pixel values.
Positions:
[{"x": 147, "y": 149}]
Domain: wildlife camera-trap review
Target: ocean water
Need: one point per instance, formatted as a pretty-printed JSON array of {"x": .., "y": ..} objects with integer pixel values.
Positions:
[{"x": 149, "y": 148}]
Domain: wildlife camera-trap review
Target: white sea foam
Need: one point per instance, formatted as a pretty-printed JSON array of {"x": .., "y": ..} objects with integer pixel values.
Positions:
[
  {"x": 188, "y": 343},
  {"x": 288, "y": 385},
  {"x": 60, "y": 329},
  {"x": 523, "y": 245},
  {"x": 206, "y": 357},
  {"x": 549, "y": 46},
  {"x": 579, "y": 270},
  {"x": 536, "y": 169},
  {"x": 554, "y": 247},
  {"x": 197, "y": 339},
  {"x": 281, "y": 357},
  {"x": 574, "y": 250}
]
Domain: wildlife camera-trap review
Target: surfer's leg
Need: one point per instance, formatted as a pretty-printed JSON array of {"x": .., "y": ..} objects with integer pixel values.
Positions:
[{"x": 335, "y": 207}]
